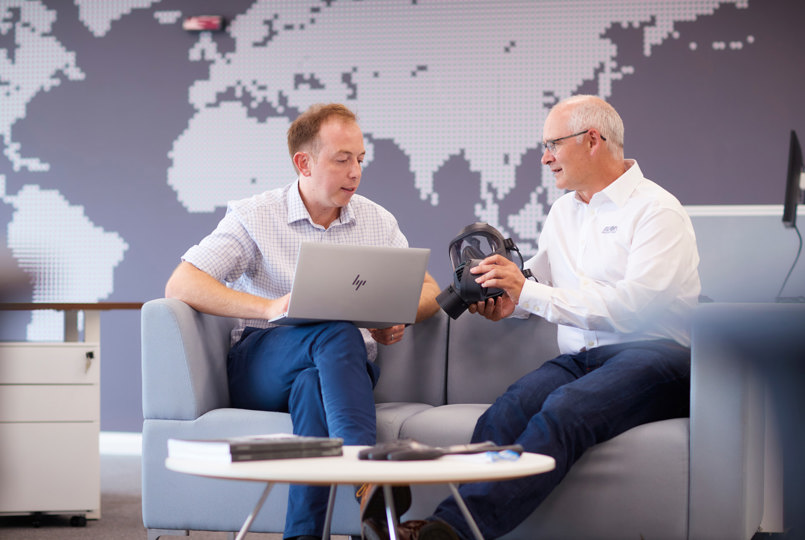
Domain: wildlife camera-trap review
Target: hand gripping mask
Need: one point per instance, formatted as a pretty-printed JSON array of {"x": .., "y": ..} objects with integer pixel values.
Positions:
[{"x": 472, "y": 245}]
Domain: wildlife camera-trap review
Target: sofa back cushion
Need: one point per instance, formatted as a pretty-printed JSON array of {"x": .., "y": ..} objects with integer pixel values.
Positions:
[
  {"x": 413, "y": 370},
  {"x": 485, "y": 357}
]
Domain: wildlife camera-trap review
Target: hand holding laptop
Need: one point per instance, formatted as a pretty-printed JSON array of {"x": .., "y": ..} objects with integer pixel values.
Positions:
[
  {"x": 387, "y": 336},
  {"x": 279, "y": 306}
]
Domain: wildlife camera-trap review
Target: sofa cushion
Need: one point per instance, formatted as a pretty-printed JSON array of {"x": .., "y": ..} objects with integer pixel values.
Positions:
[
  {"x": 413, "y": 370},
  {"x": 485, "y": 357},
  {"x": 445, "y": 425},
  {"x": 391, "y": 416},
  {"x": 632, "y": 486}
]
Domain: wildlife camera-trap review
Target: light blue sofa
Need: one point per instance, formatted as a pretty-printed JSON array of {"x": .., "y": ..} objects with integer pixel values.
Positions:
[{"x": 700, "y": 478}]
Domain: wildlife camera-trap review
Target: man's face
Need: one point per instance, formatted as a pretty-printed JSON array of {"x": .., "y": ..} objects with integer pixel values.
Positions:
[
  {"x": 335, "y": 172},
  {"x": 567, "y": 160}
]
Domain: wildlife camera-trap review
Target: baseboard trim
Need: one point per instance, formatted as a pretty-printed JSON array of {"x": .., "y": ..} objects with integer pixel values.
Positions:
[{"x": 118, "y": 443}]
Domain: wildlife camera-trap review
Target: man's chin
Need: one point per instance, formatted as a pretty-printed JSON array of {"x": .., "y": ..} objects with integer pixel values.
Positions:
[{"x": 343, "y": 198}]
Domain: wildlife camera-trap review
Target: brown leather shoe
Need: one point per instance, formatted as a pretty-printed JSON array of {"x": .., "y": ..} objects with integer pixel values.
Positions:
[
  {"x": 373, "y": 502},
  {"x": 410, "y": 530}
]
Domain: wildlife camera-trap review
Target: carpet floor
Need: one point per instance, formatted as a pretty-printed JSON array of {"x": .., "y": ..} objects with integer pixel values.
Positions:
[{"x": 121, "y": 509}]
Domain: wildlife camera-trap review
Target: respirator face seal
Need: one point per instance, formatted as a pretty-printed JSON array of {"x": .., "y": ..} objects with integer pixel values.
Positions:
[
  {"x": 476, "y": 241},
  {"x": 472, "y": 245}
]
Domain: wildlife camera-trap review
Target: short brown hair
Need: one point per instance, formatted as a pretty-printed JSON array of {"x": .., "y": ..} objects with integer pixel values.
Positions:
[{"x": 304, "y": 131}]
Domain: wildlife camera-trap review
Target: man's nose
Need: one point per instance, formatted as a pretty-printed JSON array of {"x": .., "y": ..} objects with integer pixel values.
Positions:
[
  {"x": 547, "y": 157},
  {"x": 357, "y": 169}
]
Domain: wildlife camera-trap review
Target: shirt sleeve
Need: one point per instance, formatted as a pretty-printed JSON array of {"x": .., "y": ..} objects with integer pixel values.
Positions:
[
  {"x": 227, "y": 252},
  {"x": 396, "y": 236},
  {"x": 660, "y": 263}
]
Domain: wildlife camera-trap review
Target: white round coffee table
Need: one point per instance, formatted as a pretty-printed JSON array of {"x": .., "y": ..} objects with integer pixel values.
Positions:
[{"x": 348, "y": 469}]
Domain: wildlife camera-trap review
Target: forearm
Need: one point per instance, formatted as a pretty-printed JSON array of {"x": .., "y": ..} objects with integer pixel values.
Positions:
[
  {"x": 204, "y": 293},
  {"x": 427, "y": 299}
]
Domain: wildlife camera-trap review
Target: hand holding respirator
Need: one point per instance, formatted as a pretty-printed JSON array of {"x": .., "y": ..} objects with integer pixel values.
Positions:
[{"x": 473, "y": 244}]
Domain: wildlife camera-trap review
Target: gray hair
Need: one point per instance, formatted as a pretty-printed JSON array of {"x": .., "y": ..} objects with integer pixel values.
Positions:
[{"x": 587, "y": 111}]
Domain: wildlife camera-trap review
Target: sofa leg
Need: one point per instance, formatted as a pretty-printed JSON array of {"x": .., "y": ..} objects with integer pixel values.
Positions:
[{"x": 155, "y": 534}]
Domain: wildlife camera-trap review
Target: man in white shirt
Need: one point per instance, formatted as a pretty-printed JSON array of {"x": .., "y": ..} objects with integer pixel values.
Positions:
[
  {"x": 323, "y": 374},
  {"x": 617, "y": 271}
]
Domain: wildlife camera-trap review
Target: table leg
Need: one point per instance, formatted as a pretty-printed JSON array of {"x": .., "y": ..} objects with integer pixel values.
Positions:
[
  {"x": 328, "y": 518},
  {"x": 249, "y": 520},
  {"x": 391, "y": 517},
  {"x": 71, "y": 325},
  {"x": 466, "y": 511}
]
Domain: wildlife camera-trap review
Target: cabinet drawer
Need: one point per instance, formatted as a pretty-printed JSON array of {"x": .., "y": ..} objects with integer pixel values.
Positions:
[
  {"x": 49, "y": 467},
  {"x": 49, "y": 403},
  {"x": 49, "y": 363}
]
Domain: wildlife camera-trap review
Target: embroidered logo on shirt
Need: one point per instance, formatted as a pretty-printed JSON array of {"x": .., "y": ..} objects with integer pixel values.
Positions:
[{"x": 610, "y": 229}]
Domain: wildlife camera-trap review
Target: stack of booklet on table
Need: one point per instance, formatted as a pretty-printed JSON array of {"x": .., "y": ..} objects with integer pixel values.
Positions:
[{"x": 255, "y": 447}]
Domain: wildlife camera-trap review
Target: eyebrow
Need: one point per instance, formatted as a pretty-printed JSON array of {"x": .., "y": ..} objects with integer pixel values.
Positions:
[{"x": 347, "y": 152}]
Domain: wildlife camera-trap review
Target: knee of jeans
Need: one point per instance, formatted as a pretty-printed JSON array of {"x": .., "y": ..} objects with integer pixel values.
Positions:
[
  {"x": 306, "y": 381},
  {"x": 563, "y": 410},
  {"x": 343, "y": 337},
  {"x": 345, "y": 331}
]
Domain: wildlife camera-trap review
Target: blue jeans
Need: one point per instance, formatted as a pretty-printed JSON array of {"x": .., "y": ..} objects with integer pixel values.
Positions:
[
  {"x": 561, "y": 409},
  {"x": 318, "y": 373}
]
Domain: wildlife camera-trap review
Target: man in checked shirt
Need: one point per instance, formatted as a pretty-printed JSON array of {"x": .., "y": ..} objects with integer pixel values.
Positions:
[{"x": 322, "y": 374}]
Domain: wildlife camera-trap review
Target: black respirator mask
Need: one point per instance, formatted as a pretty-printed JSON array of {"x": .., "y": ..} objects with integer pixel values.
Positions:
[{"x": 473, "y": 244}]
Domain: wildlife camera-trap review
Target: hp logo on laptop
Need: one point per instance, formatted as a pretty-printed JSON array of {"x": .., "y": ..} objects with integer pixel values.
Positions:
[{"x": 358, "y": 282}]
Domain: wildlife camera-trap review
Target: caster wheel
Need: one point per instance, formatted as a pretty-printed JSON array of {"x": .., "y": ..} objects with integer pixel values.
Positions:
[{"x": 78, "y": 521}]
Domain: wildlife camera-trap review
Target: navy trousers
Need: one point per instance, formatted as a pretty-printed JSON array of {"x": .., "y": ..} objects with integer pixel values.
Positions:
[
  {"x": 561, "y": 409},
  {"x": 319, "y": 374}
]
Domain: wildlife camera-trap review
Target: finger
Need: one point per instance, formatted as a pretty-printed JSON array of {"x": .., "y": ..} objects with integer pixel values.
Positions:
[
  {"x": 499, "y": 307},
  {"x": 483, "y": 278},
  {"x": 381, "y": 335},
  {"x": 490, "y": 281},
  {"x": 486, "y": 307}
]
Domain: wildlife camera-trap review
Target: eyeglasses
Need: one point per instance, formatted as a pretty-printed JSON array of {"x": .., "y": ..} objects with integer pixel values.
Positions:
[{"x": 551, "y": 145}]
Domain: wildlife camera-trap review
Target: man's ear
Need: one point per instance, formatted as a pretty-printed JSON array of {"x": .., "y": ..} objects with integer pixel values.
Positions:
[
  {"x": 595, "y": 138},
  {"x": 302, "y": 160}
]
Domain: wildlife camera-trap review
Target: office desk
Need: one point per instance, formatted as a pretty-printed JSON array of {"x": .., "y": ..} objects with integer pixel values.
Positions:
[{"x": 92, "y": 315}]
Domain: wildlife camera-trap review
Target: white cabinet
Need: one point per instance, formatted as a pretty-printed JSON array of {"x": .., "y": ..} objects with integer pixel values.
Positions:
[{"x": 49, "y": 428}]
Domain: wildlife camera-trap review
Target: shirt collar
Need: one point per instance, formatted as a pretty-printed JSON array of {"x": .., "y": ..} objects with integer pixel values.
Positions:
[
  {"x": 622, "y": 188},
  {"x": 297, "y": 210}
]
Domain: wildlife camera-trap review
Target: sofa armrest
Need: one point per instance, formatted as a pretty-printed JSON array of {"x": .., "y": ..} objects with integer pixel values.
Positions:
[
  {"x": 732, "y": 344},
  {"x": 183, "y": 360}
]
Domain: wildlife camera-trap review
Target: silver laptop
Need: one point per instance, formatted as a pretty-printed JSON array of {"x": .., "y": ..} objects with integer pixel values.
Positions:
[{"x": 371, "y": 286}]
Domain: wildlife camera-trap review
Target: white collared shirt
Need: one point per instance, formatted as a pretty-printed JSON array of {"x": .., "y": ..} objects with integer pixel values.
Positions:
[
  {"x": 254, "y": 247},
  {"x": 622, "y": 268}
]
